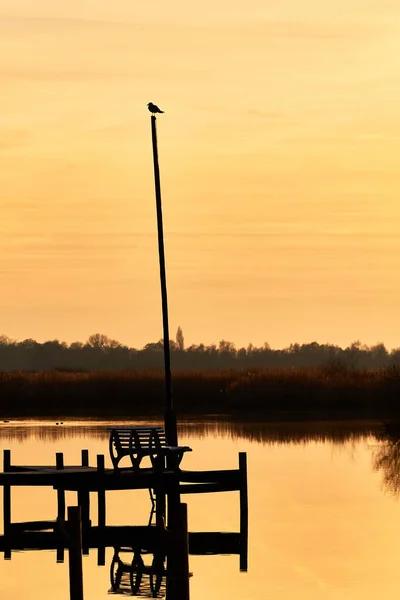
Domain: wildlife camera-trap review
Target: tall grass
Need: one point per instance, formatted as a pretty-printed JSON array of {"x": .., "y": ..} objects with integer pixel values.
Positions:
[
  {"x": 369, "y": 393},
  {"x": 258, "y": 431}
]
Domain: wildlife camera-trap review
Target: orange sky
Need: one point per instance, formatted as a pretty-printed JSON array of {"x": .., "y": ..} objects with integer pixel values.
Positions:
[{"x": 279, "y": 163}]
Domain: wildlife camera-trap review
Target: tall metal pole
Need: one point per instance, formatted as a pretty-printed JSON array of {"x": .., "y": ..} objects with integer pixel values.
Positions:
[{"x": 169, "y": 416}]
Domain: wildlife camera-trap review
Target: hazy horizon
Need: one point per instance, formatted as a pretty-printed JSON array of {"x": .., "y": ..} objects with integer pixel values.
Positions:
[{"x": 279, "y": 167}]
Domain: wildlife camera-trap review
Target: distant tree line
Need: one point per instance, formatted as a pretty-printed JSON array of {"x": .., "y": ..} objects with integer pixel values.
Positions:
[{"x": 101, "y": 352}]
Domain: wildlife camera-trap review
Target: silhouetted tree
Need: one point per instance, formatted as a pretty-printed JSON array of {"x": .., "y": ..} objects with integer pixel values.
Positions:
[
  {"x": 99, "y": 340},
  {"x": 102, "y": 352},
  {"x": 180, "y": 340}
]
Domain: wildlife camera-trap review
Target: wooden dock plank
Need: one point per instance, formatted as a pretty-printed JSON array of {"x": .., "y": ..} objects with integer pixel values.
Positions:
[
  {"x": 25, "y": 468},
  {"x": 90, "y": 479},
  {"x": 209, "y": 476},
  {"x": 208, "y": 488},
  {"x": 32, "y": 526},
  {"x": 45, "y": 476},
  {"x": 146, "y": 538}
]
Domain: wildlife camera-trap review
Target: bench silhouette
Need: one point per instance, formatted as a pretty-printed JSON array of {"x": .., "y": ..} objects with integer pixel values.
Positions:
[{"x": 138, "y": 442}]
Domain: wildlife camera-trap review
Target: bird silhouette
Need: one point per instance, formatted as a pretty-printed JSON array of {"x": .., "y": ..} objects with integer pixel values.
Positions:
[{"x": 153, "y": 108}]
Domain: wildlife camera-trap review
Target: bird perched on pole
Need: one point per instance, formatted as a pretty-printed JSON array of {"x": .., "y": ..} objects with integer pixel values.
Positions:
[{"x": 153, "y": 108}]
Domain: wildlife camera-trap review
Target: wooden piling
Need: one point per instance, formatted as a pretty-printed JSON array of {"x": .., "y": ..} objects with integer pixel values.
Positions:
[
  {"x": 101, "y": 510},
  {"x": 6, "y": 460},
  {"x": 244, "y": 511},
  {"x": 85, "y": 458},
  {"x": 173, "y": 499},
  {"x": 60, "y": 507},
  {"x": 183, "y": 524},
  {"x": 160, "y": 503},
  {"x": 101, "y": 521},
  {"x": 84, "y": 503},
  {"x": 60, "y": 492},
  {"x": 178, "y": 558},
  {"x": 75, "y": 553},
  {"x": 6, "y": 494}
]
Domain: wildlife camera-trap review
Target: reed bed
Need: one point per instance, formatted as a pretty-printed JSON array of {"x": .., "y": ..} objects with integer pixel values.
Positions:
[{"x": 269, "y": 392}]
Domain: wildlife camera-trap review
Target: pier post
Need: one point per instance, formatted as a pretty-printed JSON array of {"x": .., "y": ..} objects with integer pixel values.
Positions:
[
  {"x": 75, "y": 553},
  {"x": 6, "y": 501},
  {"x": 178, "y": 558},
  {"x": 6, "y": 492},
  {"x": 159, "y": 491},
  {"x": 60, "y": 492},
  {"x": 60, "y": 507},
  {"x": 85, "y": 458},
  {"x": 160, "y": 502},
  {"x": 84, "y": 503},
  {"x": 244, "y": 511},
  {"x": 173, "y": 499},
  {"x": 101, "y": 510}
]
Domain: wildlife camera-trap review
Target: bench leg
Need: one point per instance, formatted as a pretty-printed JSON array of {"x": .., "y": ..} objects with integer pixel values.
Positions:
[{"x": 136, "y": 460}]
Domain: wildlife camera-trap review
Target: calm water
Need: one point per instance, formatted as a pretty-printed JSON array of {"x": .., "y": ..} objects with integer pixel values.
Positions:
[{"x": 323, "y": 522}]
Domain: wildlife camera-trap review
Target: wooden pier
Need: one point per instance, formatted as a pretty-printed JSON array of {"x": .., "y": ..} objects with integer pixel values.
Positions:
[{"x": 165, "y": 538}]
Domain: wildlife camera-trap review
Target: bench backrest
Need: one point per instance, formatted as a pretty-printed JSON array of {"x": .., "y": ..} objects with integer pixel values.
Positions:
[{"x": 121, "y": 437}]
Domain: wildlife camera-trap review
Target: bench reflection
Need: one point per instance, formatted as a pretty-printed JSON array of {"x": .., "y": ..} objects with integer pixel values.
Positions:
[{"x": 136, "y": 577}]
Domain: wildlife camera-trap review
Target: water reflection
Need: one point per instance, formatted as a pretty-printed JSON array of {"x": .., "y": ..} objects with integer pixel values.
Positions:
[
  {"x": 140, "y": 565},
  {"x": 135, "y": 577},
  {"x": 265, "y": 432},
  {"x": 387, "y": 457},
  {"x": 320, "y": 526}
]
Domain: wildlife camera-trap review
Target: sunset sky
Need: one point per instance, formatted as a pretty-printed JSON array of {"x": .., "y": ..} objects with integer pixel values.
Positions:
[{"x": 279, "y": 155}]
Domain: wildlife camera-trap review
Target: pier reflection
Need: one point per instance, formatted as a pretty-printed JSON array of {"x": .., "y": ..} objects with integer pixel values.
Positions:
[
  {"x": 141, "y": 561},
  {"x": 136, "y": 577}
]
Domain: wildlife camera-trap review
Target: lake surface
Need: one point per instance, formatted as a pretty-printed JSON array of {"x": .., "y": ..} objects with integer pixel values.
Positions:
[{"x": 323, "y": 521}]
